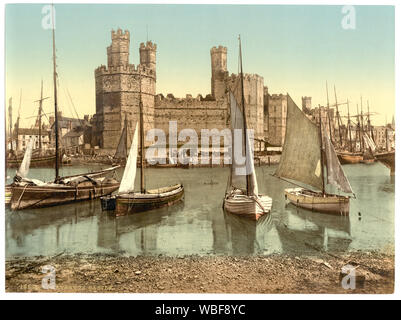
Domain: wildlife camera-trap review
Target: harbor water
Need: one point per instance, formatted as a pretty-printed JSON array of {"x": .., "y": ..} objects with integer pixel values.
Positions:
[{"x": 199, "y": 225}]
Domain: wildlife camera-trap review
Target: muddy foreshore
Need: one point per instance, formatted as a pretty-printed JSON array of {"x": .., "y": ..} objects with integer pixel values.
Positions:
[{"x": 210, "y": 274}]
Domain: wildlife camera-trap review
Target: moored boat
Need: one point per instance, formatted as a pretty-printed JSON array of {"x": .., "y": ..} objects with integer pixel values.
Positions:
[
  {"x": 308, "y": 156},
  {"x": 349, "y": 158},
  {"x": 242, "y": 197},
  {"x": 127, "y": 199},
  {"x": 388, "y": 159},
  {"x": 33, "y": 193}
]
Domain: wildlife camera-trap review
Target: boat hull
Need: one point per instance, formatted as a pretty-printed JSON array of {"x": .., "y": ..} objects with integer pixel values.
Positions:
[
  {"x": 32, "y": 196},
  {"x": 349, "y": 158},
  {"x": 250, "y": 207},
  {"x": 331, "y": 204},
  {"x": 36, "y": 162},
  {"x": 8, "y": 195},
  {"x": 138, "y": 202},
  {"x": 388, "y": 159}
]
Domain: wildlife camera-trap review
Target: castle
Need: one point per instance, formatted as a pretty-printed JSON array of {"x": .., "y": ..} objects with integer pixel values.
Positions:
[{"x": 120, "y": 84}]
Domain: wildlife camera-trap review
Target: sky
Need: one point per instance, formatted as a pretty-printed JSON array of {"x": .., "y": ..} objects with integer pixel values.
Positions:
[{"x": 295, "y": 48}]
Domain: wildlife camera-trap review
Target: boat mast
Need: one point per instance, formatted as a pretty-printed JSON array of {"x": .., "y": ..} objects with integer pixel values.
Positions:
[
  {"x": 142, "y": 142},
  {"x": 248, "y": 192},
  {"x": 55, "y": 97},
  {"x": 349, "y": 128},
  {"x": 328, "y": 111},
  {"x": 359, "y": 128},
  {"x": 40, "y": 115},
  {"x": 370, "y": 129},
  {"x": 362, "y": 128},
  {"x": 338, "y": 117},
  {"x": 126, "y": 137},
  {"x": 10, "y": 121},
  {"x": 321, "y": 151},
  {"x": 17, "y": 122}
]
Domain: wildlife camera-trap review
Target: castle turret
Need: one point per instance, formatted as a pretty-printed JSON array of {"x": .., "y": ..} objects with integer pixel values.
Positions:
[
  {"x": 219, "y": 71},
  {"x": 147, "y": 55},
  {"x": 118, "y": 51},
  {"x": 306, "y": 104}
]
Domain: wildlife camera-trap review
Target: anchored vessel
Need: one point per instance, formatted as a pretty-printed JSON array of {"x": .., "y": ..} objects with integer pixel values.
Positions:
[
  {"x": 39, "y": 158},
  {"x": 32, "y": 193},
  {"x": 127, "y": 200},
  {"x": 242, "y": 196},
  {"x": 308, "y": 156}
]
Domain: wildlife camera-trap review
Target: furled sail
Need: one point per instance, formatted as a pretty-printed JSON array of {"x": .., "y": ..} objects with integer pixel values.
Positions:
[
  {"x": 26, "y": 162},
  {"x": 369, "y": 142},
  {"x": 128, "y": 181},
  {"x": 335, "y": 173},
  {"x": 241, "y": 169},
  {"x": 301, "y": 156}
]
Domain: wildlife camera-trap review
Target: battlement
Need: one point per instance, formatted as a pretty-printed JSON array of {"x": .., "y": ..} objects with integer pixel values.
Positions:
[
  {"x": 119, "y": 34},
  {"x": 306, "y": 98},
  {"x": 149, "y": 46},
  {"x": 188, "y": 98},
  {"x": 276, "y": 96},
  {"x": 247, "y": 77},
  {"x": 219, "y": 49},
  {"x": 129, "y": 69}
]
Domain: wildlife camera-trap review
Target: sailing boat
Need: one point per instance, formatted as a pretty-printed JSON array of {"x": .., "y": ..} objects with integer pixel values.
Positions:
[
  {"x": 33, "y": 193},
  {"x": 39, "y": 158},
  {"x": 307, "y": 150},
  {"x": 351, "y": 155},
  {"x": 242, "y": 196},
  {"x": 127, "y": 200}
]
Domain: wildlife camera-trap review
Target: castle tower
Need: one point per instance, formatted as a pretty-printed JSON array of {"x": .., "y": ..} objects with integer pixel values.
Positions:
[
  {"x": 118, "y": 90},
  {"x": 118, "y": 51},
  {"x": 307, "y": 104},
  {"x": 219, "y": 71},
  {"x": 147, "y": 55}
]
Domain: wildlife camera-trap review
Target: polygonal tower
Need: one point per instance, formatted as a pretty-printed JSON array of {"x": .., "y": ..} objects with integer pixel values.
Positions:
[
  {"x": 118, "y": 51},
  {"x": 306, "y": 104},
  {"x": 219, "y": 71},
  {"x": 148, "y": 55},
  {"x": 119, "y": 89}
]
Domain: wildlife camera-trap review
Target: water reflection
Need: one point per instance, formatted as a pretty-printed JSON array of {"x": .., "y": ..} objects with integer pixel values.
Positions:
[
  {"x": 199, "y": 225},
  {"x": 245, "y": 236},
  {"x": 313, "y": 231}
]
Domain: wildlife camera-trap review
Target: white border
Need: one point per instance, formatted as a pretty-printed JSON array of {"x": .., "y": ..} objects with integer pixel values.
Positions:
[{"x": 70, "y": 296}]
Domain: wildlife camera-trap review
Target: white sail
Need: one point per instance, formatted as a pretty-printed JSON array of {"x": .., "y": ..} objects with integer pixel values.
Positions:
[
  {"x": 128, "y": 181},
  {"x": 239, "y": 171},
  {"x": 335, "y": 173},
  {"x": 26, "y": 162}
]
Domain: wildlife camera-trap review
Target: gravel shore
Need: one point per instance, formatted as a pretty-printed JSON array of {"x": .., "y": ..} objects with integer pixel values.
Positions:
[{"x": 211, "y": 274}]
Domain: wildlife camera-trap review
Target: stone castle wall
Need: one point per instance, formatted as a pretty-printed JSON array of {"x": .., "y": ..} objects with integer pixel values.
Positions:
[
  {"x": 191, "y": 113},
  {"x": 118, "y": 88}
]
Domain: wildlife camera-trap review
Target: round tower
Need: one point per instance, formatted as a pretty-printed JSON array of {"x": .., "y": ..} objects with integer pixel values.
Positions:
[
  {"x": 147, "y": 55},
  {"x": 118, "y": 51},
  {"x": 218, "y": 57}
]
